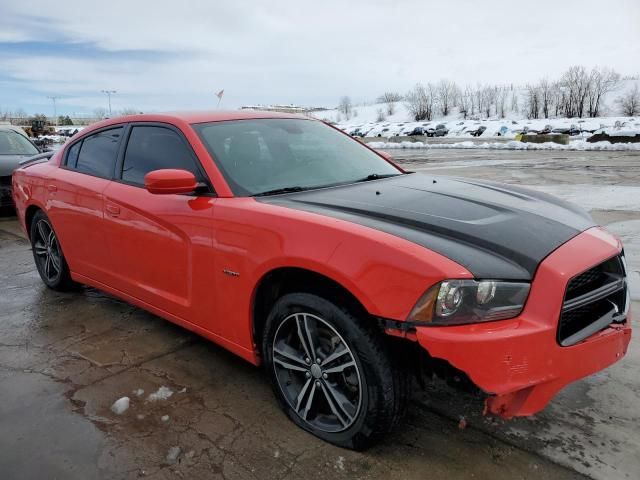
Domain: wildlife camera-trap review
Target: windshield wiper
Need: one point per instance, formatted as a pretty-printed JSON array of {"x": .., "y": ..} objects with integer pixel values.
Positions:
[
  {"x": 277, "y": 191},
  {"x": 377, "y": 176}
]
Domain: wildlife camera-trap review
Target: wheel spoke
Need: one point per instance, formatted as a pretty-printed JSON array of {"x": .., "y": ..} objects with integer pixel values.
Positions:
[
  {"x": 336, "y": 354},
  {"x": 336, "y": 401},
  {"x": 301, "y": 394},
  {"x": 47, "y": 266},
  {"x": 40, "y": 248},
  {"x": 301, "y": 324},
  {"x": 309, "y": 401},
  {"x": 290, "y": 354},
  {"x": 43, "y": 233},
  {"x": 310, "y": 332},
  {"x": 340, "y": 368},
  {"x": 55, "y": 262},
  {"x": 288, "y": 365},
  {"x": 51, "y": 239}
]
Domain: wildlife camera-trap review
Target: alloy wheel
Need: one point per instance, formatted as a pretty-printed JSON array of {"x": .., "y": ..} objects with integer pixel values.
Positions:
[
  {"x": 317, "y": 372},
  {"x": 47, "y": 250}
]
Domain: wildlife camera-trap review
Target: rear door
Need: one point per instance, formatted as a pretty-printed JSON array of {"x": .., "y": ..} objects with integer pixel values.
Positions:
[
  {"x": 76, "y": 207},
  {"x": 160, "y": 245}
]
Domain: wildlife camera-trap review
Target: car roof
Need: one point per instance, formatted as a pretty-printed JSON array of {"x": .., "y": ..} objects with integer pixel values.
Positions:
[
  {"x": 13, "y": 128},
  {"x": 198, "y": 117}
]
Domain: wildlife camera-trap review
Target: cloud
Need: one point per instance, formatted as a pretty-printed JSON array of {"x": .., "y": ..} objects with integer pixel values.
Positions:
[{"x": 159, "y": 55}]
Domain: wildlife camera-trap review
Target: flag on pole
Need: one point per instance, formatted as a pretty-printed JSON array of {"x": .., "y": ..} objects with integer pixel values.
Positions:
[{"x": 219, "y": 94}]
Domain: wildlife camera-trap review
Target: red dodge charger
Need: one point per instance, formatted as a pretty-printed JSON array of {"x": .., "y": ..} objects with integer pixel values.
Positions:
[{"x": 299, "y": 248}]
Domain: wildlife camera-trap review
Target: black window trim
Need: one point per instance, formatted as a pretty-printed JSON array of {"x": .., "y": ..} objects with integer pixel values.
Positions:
[
  {"x": 80, "y": 140},
  {"x": 117, "y": 177}
]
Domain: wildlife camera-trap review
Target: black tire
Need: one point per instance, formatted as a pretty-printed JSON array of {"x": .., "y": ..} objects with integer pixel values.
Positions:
[
  {"x": 373, "y": 382},
  {"x": 47, "y": 254}
]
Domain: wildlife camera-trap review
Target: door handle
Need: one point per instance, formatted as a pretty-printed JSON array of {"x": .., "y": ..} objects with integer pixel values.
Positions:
[
  {"x": 52, "y": 188},
  {"x": 113, "y": 210}
]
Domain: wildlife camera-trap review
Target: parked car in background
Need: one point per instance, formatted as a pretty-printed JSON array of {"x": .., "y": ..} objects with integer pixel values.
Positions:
[
  {"x": 15, "y": 146},
  {"x": 303, "y": 250},
  {"x": 478, "y": 131},
  {"x": 441, "y": 130},
  {"x": 416, "y": 131},
  {"x": 571, "y": 130}
]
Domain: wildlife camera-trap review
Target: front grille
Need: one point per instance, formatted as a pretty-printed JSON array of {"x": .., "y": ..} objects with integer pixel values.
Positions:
[{"x": 593, "y": 300}]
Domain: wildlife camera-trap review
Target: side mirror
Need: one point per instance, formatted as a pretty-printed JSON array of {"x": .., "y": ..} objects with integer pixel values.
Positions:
[{"x": 170, "y": 181}]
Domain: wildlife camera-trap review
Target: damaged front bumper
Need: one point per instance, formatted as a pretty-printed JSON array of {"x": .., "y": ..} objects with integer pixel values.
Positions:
[{"x": 519, "y": 362}]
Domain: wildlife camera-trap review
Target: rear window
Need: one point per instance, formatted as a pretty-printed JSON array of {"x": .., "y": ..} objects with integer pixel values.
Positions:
[
  {"x": 72, "y": 155},
  {"x": 98, "y": 153}
]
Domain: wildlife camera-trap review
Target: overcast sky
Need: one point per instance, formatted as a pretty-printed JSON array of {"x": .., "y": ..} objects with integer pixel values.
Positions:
[{"x": 166, "y": 55}]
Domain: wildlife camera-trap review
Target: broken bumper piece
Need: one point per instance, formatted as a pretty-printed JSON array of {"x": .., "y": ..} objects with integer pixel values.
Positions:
[{"x": 519, "y": 362}]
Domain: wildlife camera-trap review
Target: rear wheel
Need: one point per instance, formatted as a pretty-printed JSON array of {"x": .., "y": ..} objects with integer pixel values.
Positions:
[
  {"x": 332, "y": 376},
  {"x": 47, "y": 253}
]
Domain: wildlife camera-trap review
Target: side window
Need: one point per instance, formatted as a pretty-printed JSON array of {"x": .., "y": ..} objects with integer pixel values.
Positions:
[
  {"x": 98, "y": 153},
  {"x": 72, "y": 155},
  {"x": 153, "y": 148}
]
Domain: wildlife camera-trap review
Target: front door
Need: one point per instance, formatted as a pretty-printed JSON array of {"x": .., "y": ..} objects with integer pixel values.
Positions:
[{"x": 161, "y": 245}]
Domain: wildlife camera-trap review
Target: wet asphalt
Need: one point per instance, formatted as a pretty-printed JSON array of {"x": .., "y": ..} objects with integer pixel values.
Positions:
[{"x": 65, "y": 358}]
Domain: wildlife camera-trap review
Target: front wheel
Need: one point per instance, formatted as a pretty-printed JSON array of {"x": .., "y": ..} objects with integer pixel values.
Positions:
[{"x": 332, "y": 375}]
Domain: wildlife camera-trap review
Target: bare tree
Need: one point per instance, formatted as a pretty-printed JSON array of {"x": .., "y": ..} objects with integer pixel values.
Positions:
[
  {"x": 601, "y": 82},
  {"x": 100, "y": 113},
  {"x": 129, "y": 111},
  {"x": 420, "y": 102},
  {"x": 446, "y": 91},
  {"x": 515, "y": 107},
  {"x": 575, "y": 82},
  {"x": 501, "y": 101},
  {"x": 380, "y": 115},
  {"x": 629, "y": 102},
  {"x": 345, "y": 107},
  {"x": 464, "y": 102},
  {"x": 390, "y": 98},
  {"x": 532, "y": 101},
  {"x": 545, "y": 94}
]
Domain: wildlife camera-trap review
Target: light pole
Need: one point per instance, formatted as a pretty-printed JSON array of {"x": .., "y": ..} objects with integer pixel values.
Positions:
[
  {"x": 108, "y": 93},
  {"x": 55, "y": 112}
]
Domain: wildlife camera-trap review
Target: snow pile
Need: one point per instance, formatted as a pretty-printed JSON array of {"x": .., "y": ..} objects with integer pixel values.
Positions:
[
  {"x": 172, "y": 455},
  {"x": 163, "y": 393},
  {"x": 580, "y": 145},
  {"x": 164, "y": 418},
  {"x": 120, "y": 406},
  {"x": 138, "y": 392}
]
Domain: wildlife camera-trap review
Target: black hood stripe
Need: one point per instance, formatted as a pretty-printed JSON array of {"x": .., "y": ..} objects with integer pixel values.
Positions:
[{"x": 490, "y": 229}]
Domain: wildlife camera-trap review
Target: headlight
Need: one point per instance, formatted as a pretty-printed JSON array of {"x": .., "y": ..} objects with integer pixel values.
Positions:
[{"x": 454, "y": 302}]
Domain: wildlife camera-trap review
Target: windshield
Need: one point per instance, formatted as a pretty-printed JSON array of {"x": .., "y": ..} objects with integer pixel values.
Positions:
[
  {"x": 12, "y": 143},
  {"x": 267, "y": 155}
]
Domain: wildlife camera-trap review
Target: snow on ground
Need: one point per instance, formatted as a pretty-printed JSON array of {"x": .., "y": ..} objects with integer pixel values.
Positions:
[
  {"x": 608, "y": 197},
  {"x": 511, "y": 145},
  {"x": 163, "y": 393},
  {"x": 120, "y": 406},
  {"x": 595, "y": 197},
  {"x": 172, "y": 455}
]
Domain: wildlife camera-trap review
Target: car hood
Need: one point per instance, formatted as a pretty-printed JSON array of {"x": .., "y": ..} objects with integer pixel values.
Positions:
[
  {"x": 494, "y": 230},
  {"x": 8, "y": 163}
]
